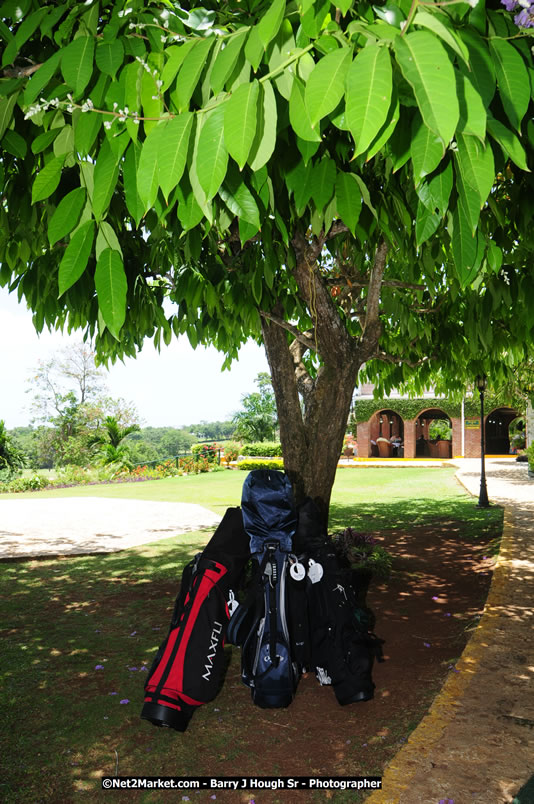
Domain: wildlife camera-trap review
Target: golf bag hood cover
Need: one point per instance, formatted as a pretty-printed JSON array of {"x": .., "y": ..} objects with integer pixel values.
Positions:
[{"x": 268, "y": 509}]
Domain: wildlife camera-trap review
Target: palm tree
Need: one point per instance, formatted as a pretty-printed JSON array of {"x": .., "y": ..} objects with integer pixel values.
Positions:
[{"x": 112, "y": 449}]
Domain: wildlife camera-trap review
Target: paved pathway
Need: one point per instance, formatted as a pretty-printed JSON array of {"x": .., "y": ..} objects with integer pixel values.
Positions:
[
  {"x": 476, "y": 744},
  {"x": 74, "y": 525}
]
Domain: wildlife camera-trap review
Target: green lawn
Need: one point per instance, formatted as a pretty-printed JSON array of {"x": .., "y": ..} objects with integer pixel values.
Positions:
[{"x": 63, "y": 723}]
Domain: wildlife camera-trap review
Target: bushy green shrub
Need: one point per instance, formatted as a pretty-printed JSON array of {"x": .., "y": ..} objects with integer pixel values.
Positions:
[
  {"x": 262, "y": 449},
  {"x": 249, "y": 466},
  {"x": 33, "y": 483},
  {"x": 530, "y": 456}
]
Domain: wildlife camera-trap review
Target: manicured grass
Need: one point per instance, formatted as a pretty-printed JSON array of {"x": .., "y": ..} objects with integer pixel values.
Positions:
[{"x": 64, "y": 722}]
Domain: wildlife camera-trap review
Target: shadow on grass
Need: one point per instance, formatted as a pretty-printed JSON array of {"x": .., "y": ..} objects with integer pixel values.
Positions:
[{"x": 403, "y": 514}]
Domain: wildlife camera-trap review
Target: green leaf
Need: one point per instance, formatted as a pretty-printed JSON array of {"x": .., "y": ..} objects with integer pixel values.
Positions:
[
  {"x": 239, "y": 199},
  {"x": 349, "y": 199},
  {"x": 368, "y": 96},
  {"x": 431, "y": 21},
  {"x": 172, "y": 152},
  {"x": 131, "y": 164},
  {"x": 440, "y": 186},
  {"x": 271, "y": 21},
  {"x": 323, "y": 179},
  {"x": 240, "y": 121},
  {"x": 105, "y": 180},
  {"x": 464, "y": 245},
  {"x": 47, "y": 179},
  {"x": 227, "y": 59},
  {"x": 426, "y": 224},
  {"x": 190, "y": 72},
  {"x": 67, "y": 215},
  {"x": 512, "y": 79},
  {"x": 388, "y": 128},
  {"x": 476, "y": 165},
  {"x": 427, "y": 149},
  {"x": 265, "y": 139},
  {"x": 111, "y": 288},
  {"x": 45, "y": 139},
  {"x": 77, "y": 63},
  {"x": 106, "y": 238},
  {"x": 109, "y": 56},
  {"x": 87, "y": 126},
  {"x": 472, "y": 109},
  {"x": 148, "y": 170},
  {"x": 6, "y": 112},
  {"x": 481, "y": 67},
  {"x": 254, "y": 49},
  {"x": 151, "y": 100},
  {"x": 508, "y": 142},
  {"x": 427, "y": 68},
  {"x": 212, "y": 156},
  {"x": 495, "y": 257},
  {"x": 189, "y": 211},
  {"x": 299, "y": 116},
  {"x": 76, "y": 256},
  {"x": 326, "y": 84},
  {"x": 365, "y": 194},
  {"x": 13, "y": 143},
  {"x": 175, "y": 57},
  {"x": 41, "y": 77}
]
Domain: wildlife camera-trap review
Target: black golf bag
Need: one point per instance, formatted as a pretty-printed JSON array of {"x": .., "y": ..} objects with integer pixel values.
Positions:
[
  {"x": 189, "y": 667},
  {"x": 342, "y": 648},
  {"x": 260, "y": 624}
]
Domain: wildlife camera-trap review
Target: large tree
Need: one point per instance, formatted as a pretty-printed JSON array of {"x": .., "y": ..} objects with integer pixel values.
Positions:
[{"x": 348, "y": 183}]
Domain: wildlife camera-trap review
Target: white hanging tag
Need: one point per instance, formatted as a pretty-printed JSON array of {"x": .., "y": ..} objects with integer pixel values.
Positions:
[
  {"x": 297, "y": 571},
  {"x": 233, "y": 604},
  {"x": 315, "y": 572}
]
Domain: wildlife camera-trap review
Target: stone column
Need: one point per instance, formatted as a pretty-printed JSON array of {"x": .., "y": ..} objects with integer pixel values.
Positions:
[{"x": 530, "y": 424}]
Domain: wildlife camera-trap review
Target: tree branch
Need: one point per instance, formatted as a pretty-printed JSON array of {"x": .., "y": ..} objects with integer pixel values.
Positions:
[
  {"x": 362, "y": 282},
  {"x": 372, "y": 327},
  {"x": 395, "y": 360},
  {"x": 299, "y": 336}
]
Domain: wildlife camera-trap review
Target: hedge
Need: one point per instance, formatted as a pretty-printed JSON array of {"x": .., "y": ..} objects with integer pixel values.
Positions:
[
  {"x": 262, "y": 449},
  {"x": 249, "y": 466},
  {"x": 409, "y": 409}
]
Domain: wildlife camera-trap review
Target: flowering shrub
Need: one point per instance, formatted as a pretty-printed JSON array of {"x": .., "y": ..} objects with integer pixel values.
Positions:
[
  {"x": 208, "y": 451},
  {"x": 232, "y": 450}
]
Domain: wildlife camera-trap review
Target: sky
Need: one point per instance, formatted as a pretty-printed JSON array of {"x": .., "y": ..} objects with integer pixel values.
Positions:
[{"x": 175, "y": 387}]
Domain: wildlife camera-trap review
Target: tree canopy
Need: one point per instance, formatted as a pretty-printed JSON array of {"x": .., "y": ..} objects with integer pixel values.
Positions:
[{"x": 347, "y": 182}]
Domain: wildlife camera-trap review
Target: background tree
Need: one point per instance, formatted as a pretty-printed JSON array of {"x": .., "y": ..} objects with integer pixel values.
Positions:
[
  {"x": 110, "y": 444},
  {"x": 257, "y": 421},
  {"x": 347, "y": 183},
  {"x": 12, "y": 457},
  {"x": 70, "y": 406}
]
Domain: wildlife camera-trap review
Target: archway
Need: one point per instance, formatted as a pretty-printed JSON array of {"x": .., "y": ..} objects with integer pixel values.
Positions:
[
  {"x": 497, "y": 430},
  {"x": 386, "y": 434},
  {"x": 433, "y": 434}
]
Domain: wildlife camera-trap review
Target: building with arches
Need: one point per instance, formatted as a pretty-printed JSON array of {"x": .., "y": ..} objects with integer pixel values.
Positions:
[{"x": 432, "y": 427}]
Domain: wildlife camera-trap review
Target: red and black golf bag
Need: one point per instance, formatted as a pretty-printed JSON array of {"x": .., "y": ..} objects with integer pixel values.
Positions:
[{"x": 189, "y": 667}]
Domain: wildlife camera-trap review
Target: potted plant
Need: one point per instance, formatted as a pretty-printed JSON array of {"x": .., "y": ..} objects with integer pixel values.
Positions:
[{"x": 360, "y": 553}]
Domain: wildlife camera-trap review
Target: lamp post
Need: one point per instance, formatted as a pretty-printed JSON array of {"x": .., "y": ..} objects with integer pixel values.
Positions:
[{"x": 483, "y": 501}]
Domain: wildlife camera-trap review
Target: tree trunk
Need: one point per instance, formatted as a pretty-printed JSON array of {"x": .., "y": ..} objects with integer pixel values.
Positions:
[
  {"x": 311, "y": 438},
  {"x": 313, "y": 411}
]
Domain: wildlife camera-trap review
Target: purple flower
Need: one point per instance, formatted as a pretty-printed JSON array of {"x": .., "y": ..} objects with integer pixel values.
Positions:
[
  {"x": 124, "y": 701},
  {"x": 510, "y": 4},
  {"x": 426, "y": 644},
  {"x": 525, "y": 18},
  {"x": 133, "y": 669},
  {"x": 99, "y": 667},
  {"x": 435, "y": 598},
  {"x": 113, "y": 693}
]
